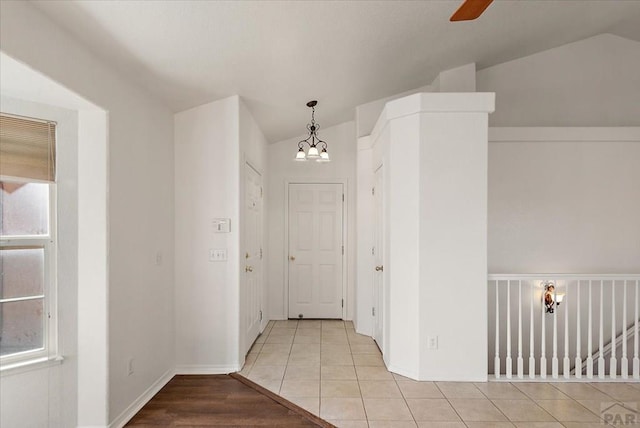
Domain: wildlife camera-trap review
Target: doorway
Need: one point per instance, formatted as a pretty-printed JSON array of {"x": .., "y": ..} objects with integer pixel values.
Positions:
[
  {"x": 252, "y": 290},
  {"x": 315, "y": 250},
  {"x": 378, "y": 260}
]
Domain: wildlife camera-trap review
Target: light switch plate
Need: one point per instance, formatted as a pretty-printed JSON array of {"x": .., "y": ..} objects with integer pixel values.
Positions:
[
  {"x": 221, "y": 225},
  {"x": 219, "y": 255}
]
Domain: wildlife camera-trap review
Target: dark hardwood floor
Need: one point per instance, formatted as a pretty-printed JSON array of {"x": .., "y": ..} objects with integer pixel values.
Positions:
[{"x": 220, "y": 400}]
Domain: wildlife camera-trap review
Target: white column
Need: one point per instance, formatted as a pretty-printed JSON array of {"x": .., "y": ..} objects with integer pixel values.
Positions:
[
  {"x": 543, "y": 342},
  {"x": 520, "y": 363},
  {"x": 636, "y": 342},
  {"x": 613, "y": 361},
  {"x": 496, "y": 360},
  {"x": 590, "y": 337},
  {"x": 532, "y": 358},
  {"x": 578, "y": 360},
  {"x": 601, "y": 337},
  {"x": 428, "y": 135},
  {"x": 624, "y": 361},
  {"x": 566, "y": 362},
  {"x": 508, "y": 360},
  {"x": 554, "y": 357}
]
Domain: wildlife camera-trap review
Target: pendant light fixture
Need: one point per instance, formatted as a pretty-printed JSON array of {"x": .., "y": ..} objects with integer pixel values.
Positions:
[{"x": 317, "y": 148}]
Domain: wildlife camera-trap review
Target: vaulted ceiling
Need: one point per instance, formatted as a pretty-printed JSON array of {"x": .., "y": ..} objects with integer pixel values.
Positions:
[{"x": 278, "y": 55}]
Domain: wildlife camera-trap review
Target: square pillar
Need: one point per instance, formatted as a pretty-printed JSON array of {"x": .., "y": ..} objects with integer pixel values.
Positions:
[{"x": 433, "y": 147}]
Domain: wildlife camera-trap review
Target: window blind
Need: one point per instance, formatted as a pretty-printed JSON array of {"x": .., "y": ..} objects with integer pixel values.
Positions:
[{"x": 27, "y": 148}]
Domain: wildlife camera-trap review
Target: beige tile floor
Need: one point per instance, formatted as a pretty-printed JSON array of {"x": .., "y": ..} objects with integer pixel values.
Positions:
[{"x": 330, "y": 370}]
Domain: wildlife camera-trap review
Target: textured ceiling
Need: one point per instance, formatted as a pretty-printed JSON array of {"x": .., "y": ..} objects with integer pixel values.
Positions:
[{"x": 278, "y": 55}]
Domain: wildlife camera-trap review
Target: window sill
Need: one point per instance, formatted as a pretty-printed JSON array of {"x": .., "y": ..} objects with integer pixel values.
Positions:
[{"x": 30, "y": 365}]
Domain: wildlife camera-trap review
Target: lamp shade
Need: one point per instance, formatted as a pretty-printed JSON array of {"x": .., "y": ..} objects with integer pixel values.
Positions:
[
  {"x": 313, "y": 152},
  {"x": 300, "y": 156},
  {"x": 324, "y": 156}
]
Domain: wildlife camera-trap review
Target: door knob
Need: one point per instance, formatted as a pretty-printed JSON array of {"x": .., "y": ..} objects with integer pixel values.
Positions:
[
  {"x": 292, "y": 258},
  {"x": 379, "y": 268},
  {"x": 248, "y": 268}
]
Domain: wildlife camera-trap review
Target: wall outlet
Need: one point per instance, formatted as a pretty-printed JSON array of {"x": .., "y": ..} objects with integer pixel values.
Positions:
[
  {"x": 130, "y": 370},
  {"x": 432, "y": 343},
  {"x": 159, "y": 258}
]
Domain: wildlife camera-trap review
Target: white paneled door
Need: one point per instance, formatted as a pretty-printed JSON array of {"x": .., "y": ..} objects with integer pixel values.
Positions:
[
  {"x": 378, "y": 278},
  {"x": 252, "y": 289},
  {"x": 316, "y": 250}
]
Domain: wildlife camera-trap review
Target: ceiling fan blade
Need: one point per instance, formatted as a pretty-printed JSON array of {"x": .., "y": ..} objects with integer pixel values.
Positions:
[{"x": 470, "y": 9}]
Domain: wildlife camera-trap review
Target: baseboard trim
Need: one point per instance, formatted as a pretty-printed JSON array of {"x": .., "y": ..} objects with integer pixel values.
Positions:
[
  {"x": 205, "y": 369},
  {"x": 402, "y": 372},
  {"x": 143, "y": 399}
]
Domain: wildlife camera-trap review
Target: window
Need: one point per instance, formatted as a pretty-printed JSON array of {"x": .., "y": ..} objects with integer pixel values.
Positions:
[{"x": 27, "y": 240}]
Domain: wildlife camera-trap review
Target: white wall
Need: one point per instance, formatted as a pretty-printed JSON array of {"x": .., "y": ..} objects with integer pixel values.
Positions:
[
  {"x": 564, "y": 200},
  {"x": 212, "y": 144},
  {"x": 140, "y": 208},
  {"x": 341, "y": 142},
  {"x": 35, "y": 397},
  {"x": 459, "y": 79},
  {"x": 592, "y": 82},
  {"x": 367, "y": 114},
  {"x": 207, "y": 159}
]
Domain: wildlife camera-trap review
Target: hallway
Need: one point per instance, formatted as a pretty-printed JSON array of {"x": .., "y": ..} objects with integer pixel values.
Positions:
[{"x": 330, "y": 370}]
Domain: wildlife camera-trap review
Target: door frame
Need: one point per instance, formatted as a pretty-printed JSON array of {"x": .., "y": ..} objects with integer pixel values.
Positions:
[
  {"x": 247, "y": 162},
  {"x": 345, "y": 222},
  {"x": 380, "y": 303}
]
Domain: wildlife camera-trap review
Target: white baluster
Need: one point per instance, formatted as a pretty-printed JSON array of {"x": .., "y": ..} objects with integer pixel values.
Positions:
[
  {"x": 590, "y": 338},
  {"x": 520, "y": 359},
  {"x": 496, "y": 360},
  {"x": 508, "y": 360},
  {"x": 636, "y": 342},
  {"x": 543, "y": 344},
  {"x": 601, "y": 341},
  {"x": 554, "y": 356},
  {"x": 532, "y": 358},
  {"x": 566, "y": 362},
  {"x": 624, "y": 361},
  {"x": 613, "y": 361},
  {"x": 578, "y": 361}
]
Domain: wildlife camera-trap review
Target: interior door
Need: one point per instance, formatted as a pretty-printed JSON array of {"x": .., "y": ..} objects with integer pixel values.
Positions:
[
  {"x": 378, "y": 257},
  {"x": 252, "y": 293},
  {"x": 315, "y": 250}
]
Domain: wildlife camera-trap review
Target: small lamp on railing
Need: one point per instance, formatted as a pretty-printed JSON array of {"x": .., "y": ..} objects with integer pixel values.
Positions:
[{"x": 551, "y": 298}]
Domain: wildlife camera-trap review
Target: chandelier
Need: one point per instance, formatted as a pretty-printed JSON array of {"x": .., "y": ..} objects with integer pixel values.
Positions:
[{"x": 317, "y": 147}]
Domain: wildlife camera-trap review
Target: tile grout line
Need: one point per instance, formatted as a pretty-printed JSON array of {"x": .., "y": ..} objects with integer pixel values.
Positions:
[
  {"x": 530, "y": 398},
  {"x": 364, "y": 408},
  {"x": 449, "y": 402},
  {"x": 580, "y": 404},
  {"x": 401, "y": 394},
  {"x": 494, "y": 404}
]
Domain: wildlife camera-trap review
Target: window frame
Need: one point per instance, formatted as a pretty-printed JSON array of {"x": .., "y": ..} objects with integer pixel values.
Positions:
[{"x": 48, "y": 242}]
